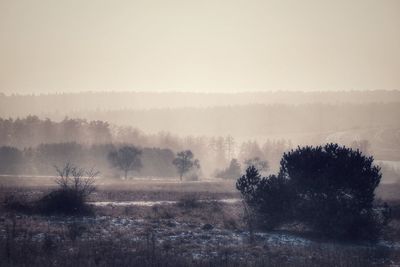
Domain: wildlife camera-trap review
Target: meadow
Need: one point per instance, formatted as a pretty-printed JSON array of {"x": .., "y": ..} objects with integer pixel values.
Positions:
[{"x": 170, "y": 223}]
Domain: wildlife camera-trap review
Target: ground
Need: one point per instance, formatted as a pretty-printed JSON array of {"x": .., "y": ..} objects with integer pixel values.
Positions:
[{"x": 169, "y": 223}]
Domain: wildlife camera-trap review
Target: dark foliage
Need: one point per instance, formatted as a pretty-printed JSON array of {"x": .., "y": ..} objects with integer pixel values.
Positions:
[
  {"x": 270, "y": 197},
  {"x": 329, "y": 188},
  {"x": 63, "y": 201}
]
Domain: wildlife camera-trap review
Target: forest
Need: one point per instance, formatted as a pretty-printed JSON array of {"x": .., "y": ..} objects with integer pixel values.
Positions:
[{"x": 34, "y": 146}]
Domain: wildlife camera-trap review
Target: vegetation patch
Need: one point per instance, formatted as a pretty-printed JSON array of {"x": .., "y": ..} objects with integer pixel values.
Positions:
[
  {"x": 75, "y": 186},
  {"x": 329, "y": 189}
]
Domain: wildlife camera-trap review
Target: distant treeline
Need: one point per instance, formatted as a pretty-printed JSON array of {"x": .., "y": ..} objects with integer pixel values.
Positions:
[
  {"x": 255, "y": 120},
  {"x": 42, "y": 160},
  {"x": 78, "y": 135},
  {"x": 214, "y": 152},
  {"x": 64, "y": 103},
  {"x": 156, "y": 162},
  {"x": 244, "y": 121},
  {"x": 32, "y": 131}
]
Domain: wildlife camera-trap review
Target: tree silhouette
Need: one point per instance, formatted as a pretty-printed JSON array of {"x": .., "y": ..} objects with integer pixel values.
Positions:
[
  {"x": 184, "y": 162},
  {"x": 126, "y": 158}
]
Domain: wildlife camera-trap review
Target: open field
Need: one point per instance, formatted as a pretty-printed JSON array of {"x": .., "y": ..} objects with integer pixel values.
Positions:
[
  {"x": 200, "y": 133},
  {"x": 170, "y": 223},
  {"x": 155, "y": 189}
]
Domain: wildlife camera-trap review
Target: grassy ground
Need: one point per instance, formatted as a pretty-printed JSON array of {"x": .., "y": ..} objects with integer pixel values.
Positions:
[{"x": 187, "y": 233}]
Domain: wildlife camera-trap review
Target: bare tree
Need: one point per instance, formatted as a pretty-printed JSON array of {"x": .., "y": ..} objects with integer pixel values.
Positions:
[
  {"x": 75, "y": 186},
  {"x": 184, "y": 162},
  {"x": 81, "y": 181},
  {"x": 126, "y": 158}
]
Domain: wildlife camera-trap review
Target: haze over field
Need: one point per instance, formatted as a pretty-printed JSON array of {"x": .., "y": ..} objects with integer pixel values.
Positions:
[
  {"x": 216, "y": 127},
  {"x": 200, "y": 133},
  {"x": 154, "y": 74}
]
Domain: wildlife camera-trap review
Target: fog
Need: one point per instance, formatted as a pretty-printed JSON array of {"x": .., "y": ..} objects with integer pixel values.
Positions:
[
  {"x": 50, "y": 129},
  {"x": 199, "y": 133}
]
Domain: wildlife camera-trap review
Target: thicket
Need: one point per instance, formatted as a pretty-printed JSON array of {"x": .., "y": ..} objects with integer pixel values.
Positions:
[{"x": 329, "y": 189}]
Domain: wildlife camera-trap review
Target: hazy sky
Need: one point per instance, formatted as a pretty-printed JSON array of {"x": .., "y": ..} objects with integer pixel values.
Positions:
[{"x": 210, "y": 45}]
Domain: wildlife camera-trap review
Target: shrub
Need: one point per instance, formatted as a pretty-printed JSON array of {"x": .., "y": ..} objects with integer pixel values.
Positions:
[
  {"x": 75, "y": 186},
  {"x": 330, "y": 189}
]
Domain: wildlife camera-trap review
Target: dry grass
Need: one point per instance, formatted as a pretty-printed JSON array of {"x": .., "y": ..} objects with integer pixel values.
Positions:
[
  {"x": 38, "y": 241},
  {"x": 189, "y": 233}
]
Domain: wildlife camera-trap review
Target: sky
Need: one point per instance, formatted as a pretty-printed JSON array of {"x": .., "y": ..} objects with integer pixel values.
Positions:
[{"x": 200, "y": 46}]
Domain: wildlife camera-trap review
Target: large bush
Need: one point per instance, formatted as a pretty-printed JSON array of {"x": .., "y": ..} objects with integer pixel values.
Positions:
[
  {"x": 329, "y": 189},
  {"x": 75, "y": 186}
]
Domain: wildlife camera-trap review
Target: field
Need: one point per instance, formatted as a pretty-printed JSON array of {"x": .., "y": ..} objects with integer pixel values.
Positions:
[{"x": 170, "y": 223}]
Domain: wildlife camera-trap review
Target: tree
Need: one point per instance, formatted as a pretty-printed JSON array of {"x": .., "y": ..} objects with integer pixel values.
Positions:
[
  {"x": 184, "y": 162},
  {"x": 82, "y": 181},
  {"x": 126, "y": 158},
  {"x": 330, "y": 189}
]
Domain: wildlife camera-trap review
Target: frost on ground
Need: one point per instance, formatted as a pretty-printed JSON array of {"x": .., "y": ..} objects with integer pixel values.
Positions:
[
  {"x": 163, "y": 227},
  {"x": 189, "y": 239},
  {"x": 154, "y": 203}
]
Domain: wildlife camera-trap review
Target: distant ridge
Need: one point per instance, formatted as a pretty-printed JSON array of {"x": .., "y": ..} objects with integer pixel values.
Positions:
[{"x": 17, "y": 105}]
